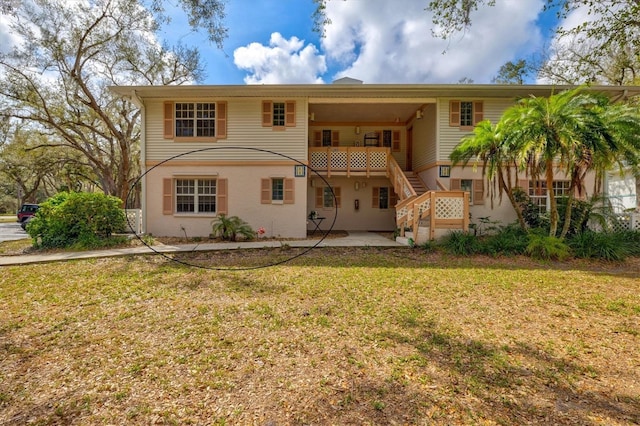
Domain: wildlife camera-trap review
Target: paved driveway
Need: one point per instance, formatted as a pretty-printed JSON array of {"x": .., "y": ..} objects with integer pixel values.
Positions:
[{"x": 11, "y": 231}]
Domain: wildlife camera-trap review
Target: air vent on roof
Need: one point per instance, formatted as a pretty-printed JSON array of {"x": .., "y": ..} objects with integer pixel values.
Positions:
[{"x": 347, "y": 80}]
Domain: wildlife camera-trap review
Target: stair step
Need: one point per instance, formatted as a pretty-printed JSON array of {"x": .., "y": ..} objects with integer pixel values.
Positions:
[{"x": 416, "y": 183}]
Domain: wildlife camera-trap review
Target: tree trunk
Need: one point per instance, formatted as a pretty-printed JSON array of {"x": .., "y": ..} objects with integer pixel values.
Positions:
[{"x": 553, "y": 205}]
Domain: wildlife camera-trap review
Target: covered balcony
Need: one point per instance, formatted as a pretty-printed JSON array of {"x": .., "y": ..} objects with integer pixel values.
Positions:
[{"x": 350, "y": 161}]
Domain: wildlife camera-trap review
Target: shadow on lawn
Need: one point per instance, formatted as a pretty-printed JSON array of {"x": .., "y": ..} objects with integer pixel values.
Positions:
[
  {"x": 515, "y": 384},
  {"x": 385, "y": 257}
]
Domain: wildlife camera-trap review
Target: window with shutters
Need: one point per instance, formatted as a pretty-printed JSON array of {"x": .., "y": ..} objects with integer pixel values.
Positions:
[
  {"x": 277, "y": 190},
  {"x": 195, "y": 195},
  {"x": 328, "y": 197},
  {"x": 383, "y": 197},
  {"x": 391, "y": 139},
  {"x": 465, "y": 114},
  {"x": 475, "y": 188},
  {"x": 278, "y": 115},
  {"x": 195, "y": 120}
]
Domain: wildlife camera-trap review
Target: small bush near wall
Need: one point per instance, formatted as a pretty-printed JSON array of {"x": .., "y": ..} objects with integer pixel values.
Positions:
[
  {"x": 77, "y": 220},
  {"x": 612, "y": 246},
  {"x": 512, "y": 240}
]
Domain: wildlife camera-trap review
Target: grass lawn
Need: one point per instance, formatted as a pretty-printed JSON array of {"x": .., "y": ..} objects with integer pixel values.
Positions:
[
  {"x": 356, "y": 336},
  {"x": 8, "y": 218}
]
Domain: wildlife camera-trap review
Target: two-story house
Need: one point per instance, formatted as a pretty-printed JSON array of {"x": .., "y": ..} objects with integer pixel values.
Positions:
[{"x": 364, "y": 157}]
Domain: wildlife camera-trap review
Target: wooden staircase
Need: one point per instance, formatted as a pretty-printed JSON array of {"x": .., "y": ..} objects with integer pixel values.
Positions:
[
  {"x": 417, "y": 184},
  {"x": 420, "y": 208}
]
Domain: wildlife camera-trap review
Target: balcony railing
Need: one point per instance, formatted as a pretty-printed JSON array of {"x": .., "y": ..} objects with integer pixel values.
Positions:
[{"x": 347, "y": 161}]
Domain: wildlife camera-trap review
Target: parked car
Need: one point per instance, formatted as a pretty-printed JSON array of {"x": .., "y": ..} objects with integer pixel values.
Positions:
[{"x": 26, "y": 213}]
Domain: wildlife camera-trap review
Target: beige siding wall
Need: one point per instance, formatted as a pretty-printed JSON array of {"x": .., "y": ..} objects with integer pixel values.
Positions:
[
  {"x": 449, "y": 137},
  {"x": 244, "y": 191},
  {"x": 244, "y": 130},
  {"x": 348, "y": 218},
  {"x": 424, "y": 138}
]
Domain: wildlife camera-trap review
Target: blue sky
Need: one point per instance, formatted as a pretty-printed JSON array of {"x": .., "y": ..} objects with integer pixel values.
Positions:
[{"x": 377, "y": 41}]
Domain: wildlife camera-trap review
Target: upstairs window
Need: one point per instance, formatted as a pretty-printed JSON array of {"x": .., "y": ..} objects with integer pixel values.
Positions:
[
  {"x": 195, "y": 120},
  {"x": 465, "y": 114},
  {"x": 391, "y": 139},
  {"x": 278, "y": 115},
  {"x": 326, "y": 138}
]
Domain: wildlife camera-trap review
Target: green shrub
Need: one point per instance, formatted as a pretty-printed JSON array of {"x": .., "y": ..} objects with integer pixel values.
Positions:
[
  {"x": 547, "y": 248},
  {"x": 632, "y": 238},
  {"x": 230, "y": 227},
  {"x": 612, "y": 246},
  {"x": 76, "y": 219},
  {"x": 461, "y": 243},
  {"x": 510, "y": 240}
]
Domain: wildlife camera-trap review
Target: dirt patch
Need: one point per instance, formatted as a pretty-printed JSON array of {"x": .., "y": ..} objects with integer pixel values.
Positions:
[{"x": 205, "y": 240}]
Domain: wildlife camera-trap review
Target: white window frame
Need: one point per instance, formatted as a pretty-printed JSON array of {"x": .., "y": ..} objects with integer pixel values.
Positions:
[
  {"x": 279, "y": 114},
  {"x": 542, "y": 200},
  {"x": 199, "y": 192},
  {"x": 466, "y": 113},
  {"x": 277, "y": 194},
  {"x": 196, "y": 113},
  {"x": 467, "y": 186}
]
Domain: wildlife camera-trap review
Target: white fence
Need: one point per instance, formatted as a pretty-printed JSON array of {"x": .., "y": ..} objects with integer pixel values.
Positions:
[{"x": 134, "y": 221}]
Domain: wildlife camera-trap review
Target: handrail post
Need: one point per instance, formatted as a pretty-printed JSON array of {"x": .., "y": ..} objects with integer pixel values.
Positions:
[{"x": 432, "y": 217}]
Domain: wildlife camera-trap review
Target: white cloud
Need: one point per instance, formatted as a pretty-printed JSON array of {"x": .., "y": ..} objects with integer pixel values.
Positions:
[
  {"x": 283, "y": 61},
  {"x": 381, "y": 41},
  {"x": 7, "y": 39}
]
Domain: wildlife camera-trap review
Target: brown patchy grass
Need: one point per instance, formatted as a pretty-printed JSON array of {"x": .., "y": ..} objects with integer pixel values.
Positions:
[{"x": 338, "y": 336}]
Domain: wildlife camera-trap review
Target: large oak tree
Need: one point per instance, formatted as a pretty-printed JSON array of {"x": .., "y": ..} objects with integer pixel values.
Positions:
[{"x": 55, "y": 77}]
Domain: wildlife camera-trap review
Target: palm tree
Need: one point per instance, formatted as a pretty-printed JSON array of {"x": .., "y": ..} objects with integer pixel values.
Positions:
[
  {"x": 229, "y": 227},
  {"x": 554, "y": 130},
  {"x": 574, "y": 132},
  {"x": 488, "y": 145}
]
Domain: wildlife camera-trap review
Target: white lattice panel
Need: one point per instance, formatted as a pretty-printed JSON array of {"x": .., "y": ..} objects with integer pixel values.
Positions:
[
  {"x": 402, "y": 212},
  {"x": 449, "y": 208},
  {"x": 424, "y": 206},
  {"x": 319, "y": 160},
  {"x": 339, "y": 160},
  {"x": 378, "y": 160},
  {"x": 358, "y": 160},
  {"x": 407, "y": 191}
]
